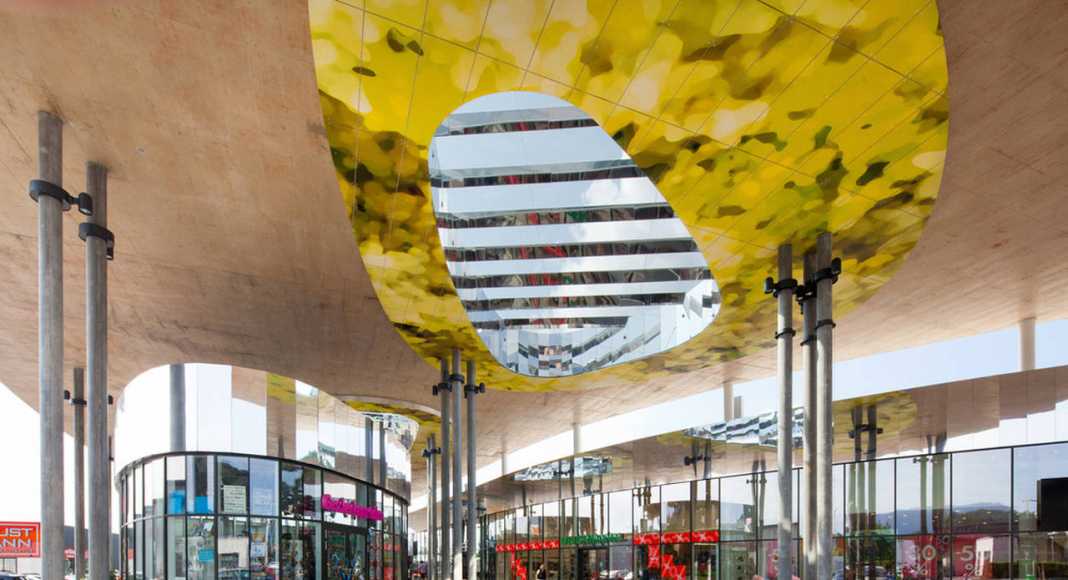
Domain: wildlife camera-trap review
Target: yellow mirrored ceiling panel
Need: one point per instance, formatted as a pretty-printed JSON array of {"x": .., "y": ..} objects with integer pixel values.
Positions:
[{"x": 759, "y": 122}]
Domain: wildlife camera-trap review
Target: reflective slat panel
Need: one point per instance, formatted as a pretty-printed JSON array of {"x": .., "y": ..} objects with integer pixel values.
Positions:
[{"x": 565, "y": 256}]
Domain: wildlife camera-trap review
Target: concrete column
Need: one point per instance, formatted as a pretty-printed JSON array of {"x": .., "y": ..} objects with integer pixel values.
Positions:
[
  {"x": 808, "y": 354},
  {"x": 785, "y": 456},
  {"x": 824, "y": 398},
  {"x": 431, "y": 506},
  {"x": 457, "y": 468},
  {"x": 383, "y": 471},
  {"x": 96, "y": 332},
  {"x": 1027, "y": 344},
  {"x": 472, "y": 553},
  {"x": 444, "y": 389},
  {"x": 50, "y": 343},
  {"x": 178, "y": 407},
  {"x": 77, "y": 401}
]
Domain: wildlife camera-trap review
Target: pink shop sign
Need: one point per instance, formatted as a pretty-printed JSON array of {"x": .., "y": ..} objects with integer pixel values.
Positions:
[{"x": 350, "y": 508}]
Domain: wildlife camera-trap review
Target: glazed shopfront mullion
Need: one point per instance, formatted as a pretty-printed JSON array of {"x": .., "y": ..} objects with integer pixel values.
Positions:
[
  {"x": 201, "y": 516},
  {"x": 964, "y": 514}
]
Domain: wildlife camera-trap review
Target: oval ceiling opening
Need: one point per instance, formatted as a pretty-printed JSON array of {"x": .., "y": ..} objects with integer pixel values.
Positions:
[{"x": 564, "y": 254}]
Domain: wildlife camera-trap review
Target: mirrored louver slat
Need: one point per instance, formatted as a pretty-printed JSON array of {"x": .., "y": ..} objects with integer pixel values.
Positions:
[{"x": 565, "y": 256}]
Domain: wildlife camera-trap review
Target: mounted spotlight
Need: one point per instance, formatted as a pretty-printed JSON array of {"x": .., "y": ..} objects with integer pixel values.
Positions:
[{"x": 39, "y": 187}]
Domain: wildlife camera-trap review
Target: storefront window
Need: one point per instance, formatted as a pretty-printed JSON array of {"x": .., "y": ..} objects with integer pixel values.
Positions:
[
  {"x": 569, "y": 518},
  {"x": 923, "y": 495},
  {"x": 620, "y": 513},
  {"x": 551, "y": 518},
  {"x": 705, "y": 561},
  {"x": 264, "y": 482},
  {"x": 1034, "y": 467},
  {"x": 139, "y": 542},
  {"x": 263, "y": 547},
  {"x": 982, "y": 556},
  {"x": 233, "y": 487},
  {"x": 176, "y": 549},
  {"x": 981, "y": 495},
  {"x": 176, "y": 485},
  {"x": 925, "y": 556},
  {"x": 676, "y": 504},
  {"x": 154, "y": 486},
  {"x": 338, "y": 487},
  {"x": 1042, "y": 555},
  {"x": 870, "y": 497},
  {"x": 552, "y": 564},
  {"x": 647, "y": 509},
  {"x": 585, "y": 515},
  {"x": 313, "y": 491},
  {"x": 233, "y": 548},
  {"x": 200, "y": 484},
  {"x": 706, "y": 505},
  {"x": 159, "y": 546},
  {"x": 871, "y": 558},
  {"x": 522, "y": 526},
  {"x": 292, "y": 549},
  {"x": 131, "y": 549},
  {"x": 535, "y": 522},
  {"x": 292, "y": 490},
  {"x": 745, "y": 498}
]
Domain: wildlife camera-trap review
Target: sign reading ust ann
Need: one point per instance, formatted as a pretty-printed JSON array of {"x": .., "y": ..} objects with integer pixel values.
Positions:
[{"x": 20, "y": 540}]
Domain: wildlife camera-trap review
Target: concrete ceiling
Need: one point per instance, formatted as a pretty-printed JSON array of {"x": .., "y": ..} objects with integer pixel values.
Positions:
[{"x": 233, "y": 244}]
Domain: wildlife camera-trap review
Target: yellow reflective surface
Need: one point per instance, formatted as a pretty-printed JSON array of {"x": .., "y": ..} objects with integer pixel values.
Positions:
[{"x": 760, "y": 122}]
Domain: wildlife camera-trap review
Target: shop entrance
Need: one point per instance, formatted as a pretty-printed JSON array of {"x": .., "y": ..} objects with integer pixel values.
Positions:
[
  {"x": 344, "y": 553},
  {"x": 592, "y": 564}
]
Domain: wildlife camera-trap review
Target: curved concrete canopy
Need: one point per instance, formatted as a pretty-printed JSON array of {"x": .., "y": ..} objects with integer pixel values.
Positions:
[
  {"x": 233, "y": 246},
  {"x": 760, "y": 123}
]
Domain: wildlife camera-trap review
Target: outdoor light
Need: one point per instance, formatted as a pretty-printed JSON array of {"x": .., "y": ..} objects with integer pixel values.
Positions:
[{"x": 39, "y": 187}]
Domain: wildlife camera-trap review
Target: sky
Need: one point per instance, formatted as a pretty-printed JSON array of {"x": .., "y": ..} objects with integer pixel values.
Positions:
[{"x": 982, "y": 355}]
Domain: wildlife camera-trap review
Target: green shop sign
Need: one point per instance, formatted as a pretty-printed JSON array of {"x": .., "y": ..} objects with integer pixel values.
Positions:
[{"x": 591, "y": 539}]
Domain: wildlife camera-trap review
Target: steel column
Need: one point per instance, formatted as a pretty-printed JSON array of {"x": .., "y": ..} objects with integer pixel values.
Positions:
[
  {"x": 824, "y": 399},
  {"x": 456, "y": 397},
  {"x": 808, "y": 354},
  {"x": 369, "y": 444},
  {"x": 50, "y": 343},
  {"x": 77, "y": 401},
  {"x": 472, "y": 553},
  {"x": 785, "y": 337},
  {"x": 96, "y": 332},
  {"x": 178, "y": 407},
  {"x": 383, "y": 471},
  {"x": 445, "y": 390},
  {"x": 431, "y": 506}
]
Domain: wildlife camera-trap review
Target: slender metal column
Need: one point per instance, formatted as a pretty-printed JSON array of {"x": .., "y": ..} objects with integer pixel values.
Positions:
[
  {"x": 784, "y": 293},
  {"x": 824, "y": 398},
  {"x": 96, "y": 332},
  {"x": 808, "y": 354},
  {"x": 431, "y": 505},
  {"x": 50, "y": 343},
  {"x": 369, "y": 444},
  {"x": 445, "y": 390},
  {"x": 178, "y": 407},
  {"x": 472, "y": 554},
  {"x": 456, "y": 397},
  {"x": 383, "y": 471},
  {"x": 77, "y": 401}
]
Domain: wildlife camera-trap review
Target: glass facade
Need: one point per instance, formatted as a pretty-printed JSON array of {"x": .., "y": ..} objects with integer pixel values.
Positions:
[
  {"x": 234, "y": 517},
  {"x": 985, "y": 514}
]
